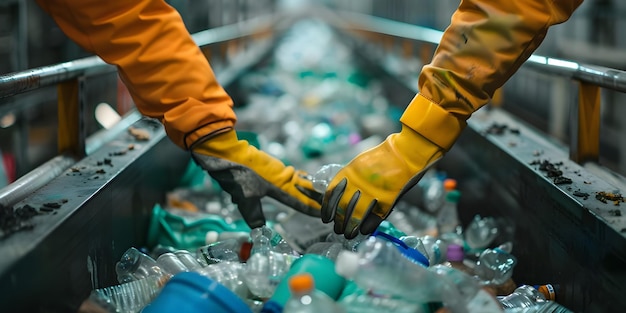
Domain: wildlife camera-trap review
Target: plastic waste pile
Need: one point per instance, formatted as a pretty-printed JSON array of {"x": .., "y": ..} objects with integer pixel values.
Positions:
[{"x": 314, "y": 109}]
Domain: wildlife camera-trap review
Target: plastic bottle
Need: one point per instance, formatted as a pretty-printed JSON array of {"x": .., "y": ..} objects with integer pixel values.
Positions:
[
  {"x": 480, "y": 232},
  {"x": 324, "y": 176},
  {"x": 456, "y": 259},
  {"x": 435, "y": 192},
  {"x": 228, "y": 250},
  {"x": 128, "y": 297},
  {"x": 380, "y": 268},
  {"x": 326, "y": 249},
  {"x": 263, "y": 235},
  {"x": 213, "y": 236},
  {"x": 435, "y": 249},
  {"x": 471, "y": 297},
  {"x": 305, "y": 298},
  {"x": 541, "y": 307},
  {"x": 417, "y": 244},
  {"x": 524, "y": 296},
  {"x": 135, "y": 265},
  {"x": 265, "y": 269},
  {"x": 229, "y": 274},
  {"x": 412, "y": 220},
  {"x": 188, "y": 260},
  {"x": 448, "y": 216},
  {"x": 348, "y": 244},
  {"x": 171, "y": 264},
  {"x": 323, "y": 271},
  {"x": 495, "y": 268},
  {"x": 551, "y": 292}
]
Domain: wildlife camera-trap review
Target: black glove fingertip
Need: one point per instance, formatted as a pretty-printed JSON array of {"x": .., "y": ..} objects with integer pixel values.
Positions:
[
  {"x": 316, "y": 196},
  {"x": 251, "y": 211},
  {"x": 370, "y": 221},
  {"x": 331, "y": 201},
  {"x": 348, "y": 232}
]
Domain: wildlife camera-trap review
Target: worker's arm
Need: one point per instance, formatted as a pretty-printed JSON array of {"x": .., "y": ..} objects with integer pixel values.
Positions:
[
  {"x": 486, "y": 42},
  {"x": 170, "y": 79}
]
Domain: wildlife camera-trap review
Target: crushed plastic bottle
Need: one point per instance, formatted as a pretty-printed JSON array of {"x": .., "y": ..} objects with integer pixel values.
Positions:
[
  {"x": 480, "y": 232},
  {"x": 324, "y": 176},
  {"x": 495, "y": 268}
]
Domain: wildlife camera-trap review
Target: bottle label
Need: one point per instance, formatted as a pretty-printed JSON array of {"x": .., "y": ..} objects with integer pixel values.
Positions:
[{"x": 484, "y": 302}]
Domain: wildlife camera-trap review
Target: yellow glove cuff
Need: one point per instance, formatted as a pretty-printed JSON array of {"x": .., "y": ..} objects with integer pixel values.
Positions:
[{"x": 432, "y": 121}]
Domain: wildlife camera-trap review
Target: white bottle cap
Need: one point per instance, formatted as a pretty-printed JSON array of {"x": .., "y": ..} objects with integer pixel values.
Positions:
[
  {"x": 211, "y": 237},
  {"x": 346, "y": 264}
]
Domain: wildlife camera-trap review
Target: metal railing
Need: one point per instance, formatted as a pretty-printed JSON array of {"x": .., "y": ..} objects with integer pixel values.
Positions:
[
  {"x": 70, "y": 79},
  {"x": 585, "y": 130}
]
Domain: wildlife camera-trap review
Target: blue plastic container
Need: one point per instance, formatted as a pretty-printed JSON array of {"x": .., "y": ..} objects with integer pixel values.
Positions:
[{"x": 191, "y": 292}]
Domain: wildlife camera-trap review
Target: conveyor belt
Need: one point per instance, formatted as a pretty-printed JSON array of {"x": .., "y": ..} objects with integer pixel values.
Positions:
[{"x": 564, "y": 234}]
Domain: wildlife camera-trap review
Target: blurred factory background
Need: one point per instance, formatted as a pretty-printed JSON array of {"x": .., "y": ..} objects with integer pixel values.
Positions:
[{"x": 30, "y": 39}]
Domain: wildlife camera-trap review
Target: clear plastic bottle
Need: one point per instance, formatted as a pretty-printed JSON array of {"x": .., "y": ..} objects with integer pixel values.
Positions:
[
  {"x": 305, "y": 298},
  {"x": 324, "y": 175},
  {"x": 471, "y": 297},
  {"x": 135, "y": 265},
  {"x": 480, "y": 232},
  {"x": 494, "y": 268},
  {"x": 171, "y": 264},
  {"x": 381, "y": 269},
  {"x": 326, "y": 249},
  {"x": 128, "y": 297},
  {"x": 435, "y": 249},
  {"x": 188, "y": 260},
  {"x": 264, "y": 270},
  {"x": 524, "y": 296},
  {"x": 228, "y": 274},
  {"x": 228, "y": 250},
  {"x": 448, "y": 216},
  {"x": 435, "y": 193},
  {"x": 348, "y": 244},
  {"x": 264, "y": 235}
]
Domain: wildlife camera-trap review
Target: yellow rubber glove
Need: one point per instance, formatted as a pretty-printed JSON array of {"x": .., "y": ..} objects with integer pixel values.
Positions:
[
  {"x": 385, "y": 173},
  {"x": 486, "y": 42},
  {"x": 248, "y": 174}
]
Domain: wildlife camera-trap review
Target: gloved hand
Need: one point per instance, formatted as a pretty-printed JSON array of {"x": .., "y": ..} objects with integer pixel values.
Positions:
[
  {"x": 363, "y": 193},
  {"x": 248, "y": 174}
]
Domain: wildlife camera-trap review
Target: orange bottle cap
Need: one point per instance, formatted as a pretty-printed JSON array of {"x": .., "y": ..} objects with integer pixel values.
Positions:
[
  {"x": 449, "y": 184},
  {"x": 301, "y": 283},
  {"x": 547, "y": 291}
]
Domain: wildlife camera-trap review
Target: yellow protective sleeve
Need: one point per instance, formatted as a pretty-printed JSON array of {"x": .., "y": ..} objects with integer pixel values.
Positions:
[
  {"x": 166, "y": 73},
  {"x": 486, "y": 42}
]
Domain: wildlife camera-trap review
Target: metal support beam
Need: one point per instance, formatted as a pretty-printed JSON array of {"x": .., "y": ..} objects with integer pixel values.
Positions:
[
  {"x": 71, "y": 104},
  {"x": 585, "y": 139}
]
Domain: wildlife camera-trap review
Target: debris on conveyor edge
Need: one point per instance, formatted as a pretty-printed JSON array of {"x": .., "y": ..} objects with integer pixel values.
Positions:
[
  {"x": 500, "y": 129},
  {"x": 139, "y": 134},
  {"x": 552, "y": 171},
  {"x": 14, "y": 220},
  {"x": 605, "y": 197}
]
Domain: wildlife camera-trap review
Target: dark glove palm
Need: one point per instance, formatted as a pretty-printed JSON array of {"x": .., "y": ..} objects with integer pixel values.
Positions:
[{"x": 248, "y": 175}]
